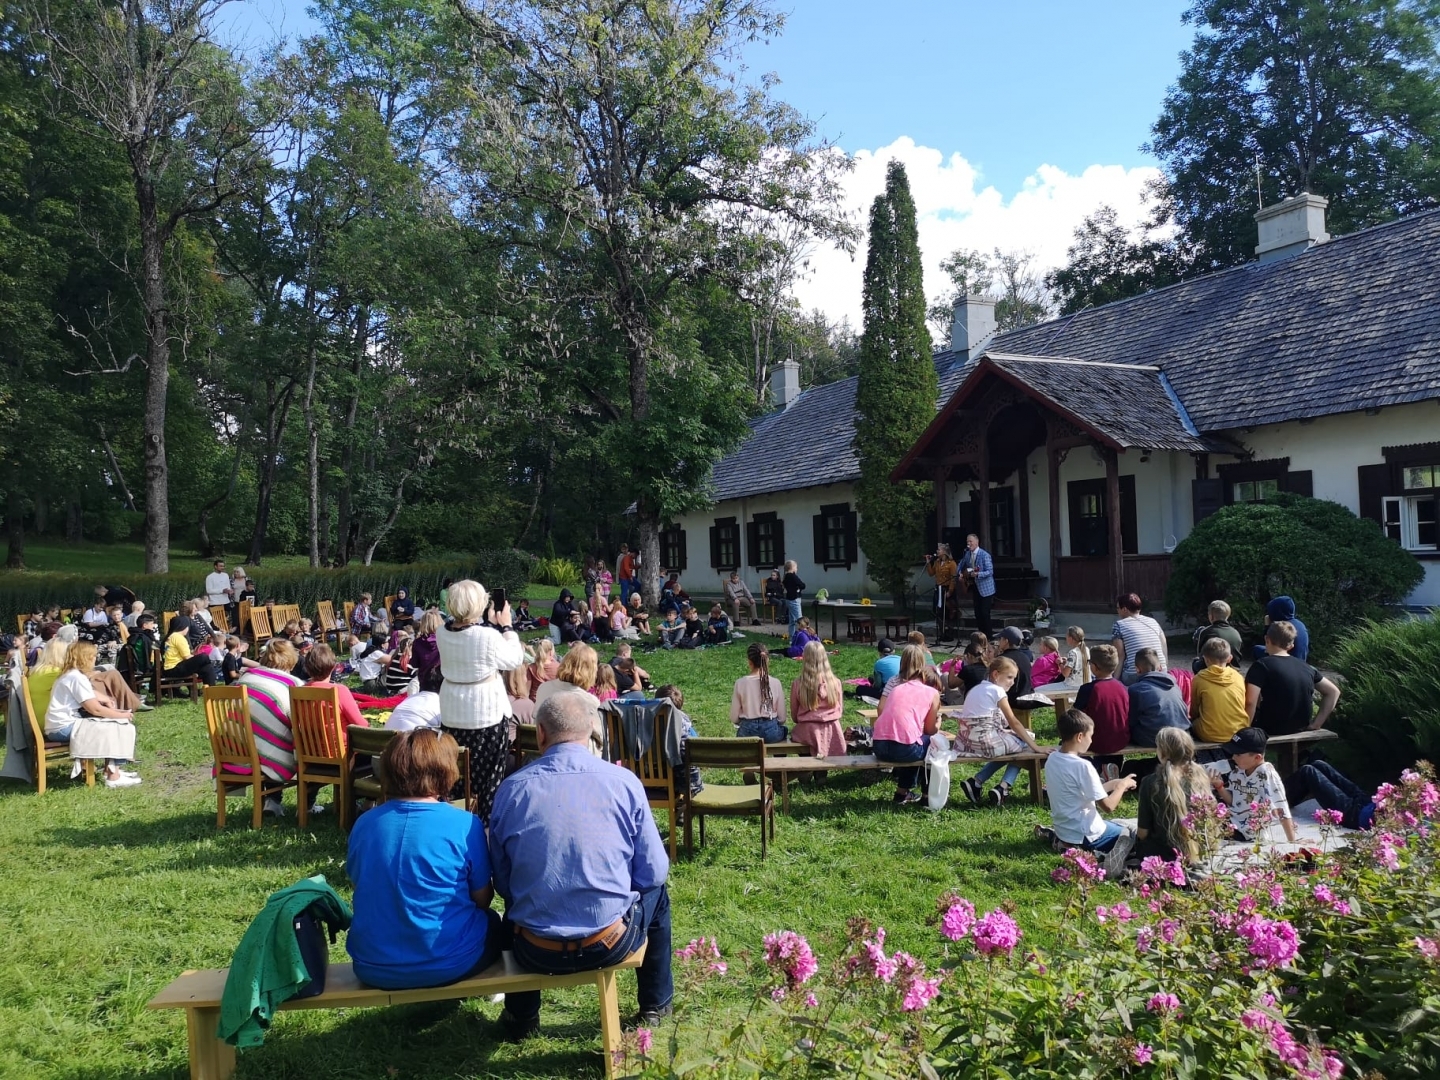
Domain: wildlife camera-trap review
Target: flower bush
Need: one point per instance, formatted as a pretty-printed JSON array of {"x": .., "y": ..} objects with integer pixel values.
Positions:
[{"x": 1311, "y": 967}]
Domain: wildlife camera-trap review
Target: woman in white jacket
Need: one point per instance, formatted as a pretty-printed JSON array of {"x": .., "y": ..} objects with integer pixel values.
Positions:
[{"x": 474, "y": 706}]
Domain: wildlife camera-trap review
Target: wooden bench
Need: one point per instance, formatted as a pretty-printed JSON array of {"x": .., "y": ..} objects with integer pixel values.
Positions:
[
  {"x": 784, "y": 766},
  {"x": 199, "y": 994}
]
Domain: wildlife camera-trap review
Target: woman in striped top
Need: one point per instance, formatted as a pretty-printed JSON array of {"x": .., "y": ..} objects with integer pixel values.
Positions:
[
  {"x": 1133, "y": 632},
  {"x": 269, "y": 687}
]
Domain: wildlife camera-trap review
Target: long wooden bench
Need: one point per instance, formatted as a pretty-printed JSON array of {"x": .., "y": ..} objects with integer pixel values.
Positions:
[
  {"x": 784, "y": 766},
  {"x": 199, "y": 993}
]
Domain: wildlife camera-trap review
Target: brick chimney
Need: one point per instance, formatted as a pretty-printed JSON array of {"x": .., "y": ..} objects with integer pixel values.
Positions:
[
  {"x": 785, "y": 383},
  {"x": 1291, "y": 227},
  {"x": 972, "y": 325}
]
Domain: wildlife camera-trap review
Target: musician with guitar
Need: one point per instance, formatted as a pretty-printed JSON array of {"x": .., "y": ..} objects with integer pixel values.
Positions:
[{"x": 977, "y": 570}]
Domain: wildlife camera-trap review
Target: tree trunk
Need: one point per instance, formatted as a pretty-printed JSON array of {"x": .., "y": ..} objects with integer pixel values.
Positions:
[
  {"x": 157, "y": 379},
  {"x": 312, "y": 432},
  {"x": 277, "y": 415},
  {"x": 389, "y": 522},
  {"x": 115, "y": 468},
  {"x": 74, "y": 520},
  {"x": 42, "y": 515},
  {"x": 649, "y": 526},
  {"x": 15, "y": 525},
  {"x": 344, "y": 527}
]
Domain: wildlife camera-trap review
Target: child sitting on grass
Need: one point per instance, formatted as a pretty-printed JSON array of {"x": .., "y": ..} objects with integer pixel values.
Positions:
[
  {"x": 1165, "y": 799},
  {"x": 1252, "y": 780},
  {"x": 1077, "y": 796},
  {"x": 717, "y": 628},
  {"x": 989, "y": 728},
  {"x": 803, "y": 636},
  {"x": 523, "y": 620},
  {"x": 639, "y": 617},
  {"x": 672, "y": 629}
]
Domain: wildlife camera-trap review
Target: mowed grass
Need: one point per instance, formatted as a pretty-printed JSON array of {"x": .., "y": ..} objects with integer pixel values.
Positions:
[
  {"x": 107, "y": 561},
  {"x": 110, "y": 894}
]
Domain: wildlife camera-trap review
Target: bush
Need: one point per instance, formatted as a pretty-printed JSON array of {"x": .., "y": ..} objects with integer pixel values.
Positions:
[
  {"x": 1339, "y": 568},
  {"x": 556, "y": 571},
  {"x": 1389, "y": 711},
  {"x": 163, "y": 592}
]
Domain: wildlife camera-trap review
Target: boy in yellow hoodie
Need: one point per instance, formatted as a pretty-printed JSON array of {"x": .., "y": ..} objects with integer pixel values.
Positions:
[{"x": 1217, "y": 696}]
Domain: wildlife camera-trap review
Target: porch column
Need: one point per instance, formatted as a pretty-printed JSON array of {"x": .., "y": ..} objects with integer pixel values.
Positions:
[
  {"x": 1052, "y": 464},
  {"x": 1112, "y": 517},
  {"x": 940, "y": 507},
  {"x": 983, "y": 471}
]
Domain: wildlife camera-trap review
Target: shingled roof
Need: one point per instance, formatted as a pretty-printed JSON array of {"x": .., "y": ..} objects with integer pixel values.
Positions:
[
  {"x": 810, "y": 443},
  {"x": 1350, "y": 324}
]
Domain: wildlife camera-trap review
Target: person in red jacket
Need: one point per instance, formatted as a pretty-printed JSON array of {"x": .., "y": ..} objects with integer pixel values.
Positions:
[{"x": 1107, "y": 702}]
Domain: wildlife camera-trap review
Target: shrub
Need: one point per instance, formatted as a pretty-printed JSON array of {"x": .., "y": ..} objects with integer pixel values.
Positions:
[
  {"x": 163, "y": 592},
  {"x": 1340, "y": 569},
  {"x": 556, "y": 571},
  {"x": 1389, "y": 711}
]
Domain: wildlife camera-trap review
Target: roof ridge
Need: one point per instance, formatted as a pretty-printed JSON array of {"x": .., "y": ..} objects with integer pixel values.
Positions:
[{"x": 1029, "y": 358}]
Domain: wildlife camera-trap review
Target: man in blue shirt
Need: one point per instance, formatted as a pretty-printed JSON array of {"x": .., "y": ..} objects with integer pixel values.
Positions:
[
  {"x": 577, "y": 858},
  {"x": 977, "y": 570}
]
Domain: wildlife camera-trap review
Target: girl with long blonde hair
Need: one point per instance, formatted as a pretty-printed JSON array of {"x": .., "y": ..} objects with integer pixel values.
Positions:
[
  {"x": 1165, "y": 798},
  {"x": 817, "y": 704}
]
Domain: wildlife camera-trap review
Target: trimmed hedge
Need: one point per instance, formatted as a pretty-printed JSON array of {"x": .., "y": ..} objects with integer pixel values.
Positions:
[
  {"x": 1389, "y": 711},
  {"x": 509, "y": 569}
]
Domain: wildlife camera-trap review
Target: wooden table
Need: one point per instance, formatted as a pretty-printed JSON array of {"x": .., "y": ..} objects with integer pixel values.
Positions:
[{"x": 835, "y": 606}]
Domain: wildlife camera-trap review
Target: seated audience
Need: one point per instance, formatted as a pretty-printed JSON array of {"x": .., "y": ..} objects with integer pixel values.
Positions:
[
  {"x": 544, "y": 667},
  {"x": 1282, "y": 608},
  {"x": 422, "y": 709},
  {"x": 576, "y": 675},
  {"x": 623, "y": 651},
  {"x": 718, "y": 627},
  {"x": 817, "y": 705},
  {"x": 672, "y": 629},
  {"x": 1280, "y": 687},
  {"x": 1155, "y": 701},
  {"x": 1011, "y": 644},
  {"x": 1333, "y": 790},
  {"x": 909, "y": 715},
  {"x": 973, "y": 667},
  {"x": 605, "y": 686},
  {"x": 320, "y": 665},
  {"x": 402, "y": 611},
  {"x": 517, "y": 689},
  {"x": 620, "y": 628},
  {"x": 579, "y": 912},
  {"x": 575, "y": 630},
  {"x": 803, "y": 636},
  {"x": 694, "y": 636},
  {"x": 917, "y": 637},
  {"x": 523, "y": 619},
  {"x": 235, "y": 660},
  {"x": 95, "y": 615},
  {"x": 1131, "y": 633},
  {"x": 1217, "y": 698},
  {"x": 561, "y": 610},
  {"x": 775, "y": 591},
  {"x": 399, "y": 670},
  {"x": 1106, "y": 702},
  {"x": 269, "y": 684},
  {"x": 989, "y": 728},
  {"x": 371, "y": 659},
  {"x": 1073, "y": 667},
  {"x": 639, "y": 617},
  {"x": 627, "y": 682},
  {"x": 1046, "y": 668},
  {"x": 360, "y": 617},
  {"x": 89, "y": 720},
  {"x": 425, "y": 653},
  {"x": 739, "y": 597},
  {"x": 1218, "y": 626},
  {"x": 1077, "y": 795},
  {"x": 421, "y": 870},
  {"x": 1252, "y": 780},
  {"x": 1165, "y": 803},
  {"x": 757, "y": 704},
  {"x": 180, "y": 662},
  {"x": 887, "y": 666}
]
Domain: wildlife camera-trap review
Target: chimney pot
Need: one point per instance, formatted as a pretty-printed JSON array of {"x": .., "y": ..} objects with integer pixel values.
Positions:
[
  {"x": 785, "y": 383},
  {"x": 1291, "y": 227},
  {"x": 972, "y": 324}
]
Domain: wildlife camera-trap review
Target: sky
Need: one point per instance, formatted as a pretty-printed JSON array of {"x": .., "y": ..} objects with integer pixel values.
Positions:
[{"x": 1014, "y": 120}]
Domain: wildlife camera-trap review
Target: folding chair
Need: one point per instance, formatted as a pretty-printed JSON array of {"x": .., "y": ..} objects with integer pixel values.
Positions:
[
  {"x": 729, "y": 800},
  {"x": 320, "y": 756},
  {"x": 232, "y": 742}
]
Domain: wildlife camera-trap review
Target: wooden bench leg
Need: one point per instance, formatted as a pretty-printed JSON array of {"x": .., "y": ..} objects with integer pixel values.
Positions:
[
  {"x": 210, "y": 1059},
  {"x": 610, "y": 1031},
  {"x": 1034, "y": 769}
]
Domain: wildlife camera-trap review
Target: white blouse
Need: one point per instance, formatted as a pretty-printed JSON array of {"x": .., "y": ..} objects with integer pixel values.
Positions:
[{"x": 473, "y": 694}]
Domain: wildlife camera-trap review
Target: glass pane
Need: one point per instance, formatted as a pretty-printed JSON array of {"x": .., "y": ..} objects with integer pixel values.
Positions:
[
  {"x": 1390, "y": 513},
  {"x": 1267, "y": 489},
  {"x": 1419, "y": 476},
  {"x": 1245, "y": 491},
  {"x": 1425, "y": 525}
]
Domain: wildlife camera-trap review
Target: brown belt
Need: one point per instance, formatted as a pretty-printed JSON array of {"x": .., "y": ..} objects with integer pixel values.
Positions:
[{"x": 607, "y": 937}]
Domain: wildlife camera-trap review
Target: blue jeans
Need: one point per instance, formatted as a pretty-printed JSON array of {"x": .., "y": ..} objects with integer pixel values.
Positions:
[
  {"x": 767, "y": 728},
  {"x": 1107, "y": 839},
  {"x": 901, "y": 753},
  {"x": 1012, "y": 772},
  {"x": 792, "y": 609},
  {"x": 63, "y": 735},
  {"x": 648, "y": 921}
]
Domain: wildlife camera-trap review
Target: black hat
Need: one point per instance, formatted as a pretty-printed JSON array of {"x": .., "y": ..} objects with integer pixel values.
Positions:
[
  {"x": 1012, "y": 635},
  {"x": 1250, "y": 740},
  {"x": 885, "y": 645}
]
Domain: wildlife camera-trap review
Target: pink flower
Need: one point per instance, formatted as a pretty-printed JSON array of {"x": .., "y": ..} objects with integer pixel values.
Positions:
[
  {"x": 1329, "y": 817},
  {"x": 811, "y": 1001},
  {"x": 789, "y": 954},
  {"x": 778, "y": 994},
  {"x": 1273, "y": 942},
  {"x": 1144, "y": 939},
  {"x": 1429, "y": 948},
  {"x": 1143, "y": 1054},
  {"x": 880, "y": 966},
  {"x": 1256, "y": 1020},
  {"x": 1084, "y": 864},
  {"x": 996, "y": 932},
  {"x": 1324, "y": 895},
  {"x": 959, "y": 918},
  {"x": 1163, "y": 1003},
  {"x": 644, "y": 1039},
  {"x": 703, "y": 954},
  {"x": 920, "y": 993},
  {"x": 1060, "y": 875},
  {"x": 1169, "y": 928},
  {"x": 1386, "y": 854},
  {"x": 1120, "y": 913},
  {"x": 1154, "y": 866}
]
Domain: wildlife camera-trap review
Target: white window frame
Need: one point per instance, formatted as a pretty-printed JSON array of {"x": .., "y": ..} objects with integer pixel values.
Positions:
[
  {"x": 1258, "y": 495},
  {"x": 1398, "y": 513}
]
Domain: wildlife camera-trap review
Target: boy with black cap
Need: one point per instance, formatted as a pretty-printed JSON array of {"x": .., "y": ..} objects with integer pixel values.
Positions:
[
  {"x": 1251, "y": 779},
  {"x": 887, "y": 666},
  {"x": 1012, "y": 646}
]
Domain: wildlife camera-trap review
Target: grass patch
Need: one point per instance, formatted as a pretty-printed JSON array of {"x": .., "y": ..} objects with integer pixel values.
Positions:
[{"x": 110, "y": 894}]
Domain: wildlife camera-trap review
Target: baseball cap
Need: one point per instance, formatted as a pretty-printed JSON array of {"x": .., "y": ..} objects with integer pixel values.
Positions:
[
  {"x": 1250, "y": 740},
  {"x": 1012, "y": 635},
  {"x": 885, "y": 645}
]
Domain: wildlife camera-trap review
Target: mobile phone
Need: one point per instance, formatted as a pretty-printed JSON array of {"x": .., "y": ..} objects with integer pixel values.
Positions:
[{"x": 498, "y": 601}]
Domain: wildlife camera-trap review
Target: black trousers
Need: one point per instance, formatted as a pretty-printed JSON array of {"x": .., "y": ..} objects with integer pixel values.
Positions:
[{"x": 982, "y": 615}]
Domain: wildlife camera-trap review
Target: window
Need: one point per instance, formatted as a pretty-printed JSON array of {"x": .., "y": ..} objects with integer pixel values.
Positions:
[
  {"x": 1254, "y": 491},
  {"x": 1090, "y": 523},
  {"x": 1411, "y": 521},
  {"x": 672, "y": 548},
  {"x": 1403, "y": 496},
  {"x": 725, "y": 544},
  {"x": 835, "y": 536},
  {"x": 766, "y": 539}
]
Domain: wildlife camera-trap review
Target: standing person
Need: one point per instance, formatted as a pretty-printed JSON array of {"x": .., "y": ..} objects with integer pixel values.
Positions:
[
  {"x": 909, "y": 716},
  {"x": 738, "y": 596},
  {"x": 1280, "y": 687},
  {"x": 578, "y": 860},
  {"x": 757, "y": 704},
  {"x": 425, "y": 654},
  {"x": 1132, "y": 632},
  {"x": 473, "y": 704},
  {"x": 218, "y": 590},
  {"x": 817, "y": 703},
  {"x": 978, "y": 571},
  {"x": 942, "y": 567},
  {"x": 625, "y": 568},
  {"x": 794, "y": 590},
  {"x": 604, "y": 580}
]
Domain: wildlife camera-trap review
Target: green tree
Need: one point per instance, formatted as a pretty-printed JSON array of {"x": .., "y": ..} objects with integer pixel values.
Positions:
[
  {"x": 897, "y": 388},
  {"x": 1020, "y": 292},
  {"x": 1335, "y": 97},
  {"x": 1106, "y": 263}
]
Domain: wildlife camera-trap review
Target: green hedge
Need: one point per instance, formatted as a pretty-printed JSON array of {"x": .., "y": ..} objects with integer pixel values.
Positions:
[
  {"x": 509, "y": 569},
  {"x": 1389, "y": 711}
]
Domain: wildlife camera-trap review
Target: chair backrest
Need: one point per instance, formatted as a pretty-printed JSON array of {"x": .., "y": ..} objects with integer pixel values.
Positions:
[
  {"x": 349, "y": 610},
  {"x": 242, "y": 617},
  {"x": 325, "y": 610},
  {"x": 37, "y": 719},
  {"x": 726, "y": 754},
  {"x": 316, "y": 724},
  {"x": 41, "y": 686},
  {"x": 390, "y": 602},
  {"x": 232, "y": 741},
  {"x": 165, "y": 625},
  {"x": 653, "y": 766},
  {"x": 20, "y": 624},
  {"x": 219, "y": 619},
  {"x": 372, "y": 741},
  {"x": 260, "y": 625},
  {"x": 124, "y": 632},
  {"x": 527, "y": 742}
]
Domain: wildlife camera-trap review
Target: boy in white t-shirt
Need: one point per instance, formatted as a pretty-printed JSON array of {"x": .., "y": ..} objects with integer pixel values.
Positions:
[
  {"x": 1077, "y": 796},
  {"x": 1252, "y": 780}
]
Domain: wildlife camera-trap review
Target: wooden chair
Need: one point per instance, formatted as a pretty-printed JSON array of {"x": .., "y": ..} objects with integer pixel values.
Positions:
[
  {"x": 325, "y": 616},
  {"x": 729, "y": 800},
  {"x": 349, "y": 609},
  {"x": 860, "y": 627},
  {"x": 20, "y": 625},
  {"x": 46, "y": 752},
  {"x": 242, "y": 617},
  {"x": 285, "y": 613},
  {"x": 168, "y": 684},
  {"x": 366, "y": 744},
  {"x": 220, "y": 619},
  {"x": 320, "y": 756},
  {"x": 260, "y": 631},
  {"x": 165, "y": 617},
  {"x": 124, "y": 632},
  {"x": 661, "y": 781},
  {"x": 526, "y": 747},
  {"x": 232, "y": 742},
  {"x": 389, "y": 603}
]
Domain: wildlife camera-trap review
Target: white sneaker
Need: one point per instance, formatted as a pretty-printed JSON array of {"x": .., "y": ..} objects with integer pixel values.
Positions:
[
  {"x": 275, "y": 807},
  {"x": 143, "y": 707},
  {"x": 123, "y": 781},
  {"x": 128, "y": 772},
  {"x": 316, "y": 808}
]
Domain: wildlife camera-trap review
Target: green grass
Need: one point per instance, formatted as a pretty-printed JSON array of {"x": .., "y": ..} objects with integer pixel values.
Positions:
[
  {"x": 110, "y": 894},
  {"x": 117, "y": 560}
]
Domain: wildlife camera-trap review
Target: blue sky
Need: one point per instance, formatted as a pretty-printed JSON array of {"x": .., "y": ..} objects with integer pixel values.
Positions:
[{"x": 1014, "y": 120}]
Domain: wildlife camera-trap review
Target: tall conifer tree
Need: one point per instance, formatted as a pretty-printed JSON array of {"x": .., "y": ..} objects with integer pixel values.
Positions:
[{"x": 895, "y": 397}]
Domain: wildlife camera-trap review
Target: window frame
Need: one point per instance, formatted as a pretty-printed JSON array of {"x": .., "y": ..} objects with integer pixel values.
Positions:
[
  {"x": 672, "y": 543},
  {"x": 725, "y": 531}
]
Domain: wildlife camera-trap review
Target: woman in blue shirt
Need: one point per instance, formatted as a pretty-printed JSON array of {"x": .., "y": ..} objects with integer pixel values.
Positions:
[{"x": 421, "y": 872}]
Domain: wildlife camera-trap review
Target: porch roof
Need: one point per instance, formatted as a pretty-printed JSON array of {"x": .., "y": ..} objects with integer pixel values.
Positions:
[{"x": 1121, "y": 406}]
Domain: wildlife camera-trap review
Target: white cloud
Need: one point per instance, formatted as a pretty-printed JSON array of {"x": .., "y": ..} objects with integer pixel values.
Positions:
[{"x": 954, "y": 211}]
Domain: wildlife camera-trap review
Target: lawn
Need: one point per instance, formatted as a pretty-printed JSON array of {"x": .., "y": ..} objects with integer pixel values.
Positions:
[
  {"x": 110, "y": 894},
  {"x": 121, "y": 560}
]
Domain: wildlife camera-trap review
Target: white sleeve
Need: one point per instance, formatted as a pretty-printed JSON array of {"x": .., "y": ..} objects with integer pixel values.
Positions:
[{"x": 1097, "y": 789}]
